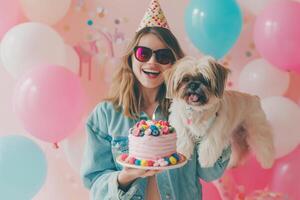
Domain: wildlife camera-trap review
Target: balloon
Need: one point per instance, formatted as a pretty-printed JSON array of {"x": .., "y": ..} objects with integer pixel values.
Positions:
[
  {"x": 45, "y": 11},
  {"x": 286, "y": 175},
  {"x": 72, "y": 59},
  {"x": 255, "y": 6},
  {"x": 8, "y": 120},
  {"x": 31, "y": 44},
  {"x": 284, "y": 117},
  {"x": 73, "y": 147},
  {"x": 10, "y": 14},
  {"x": 227, "y": 187},
  {"x": 276, "y": 34},
  {"x": 209, "y": 191},
  {"x": 260, "y": 78},
  {"x": 213, "y": 27},
  {"x": 1, "y": 65},
  {"x": 50, "y": 102},
  {"x": 23, "y": 168},
  {"x": 251, "y": 175}
]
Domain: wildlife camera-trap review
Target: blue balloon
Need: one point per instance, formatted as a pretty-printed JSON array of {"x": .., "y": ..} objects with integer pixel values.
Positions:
[
  {"x": 22, "y": 168},
  {"x": 213, "y": 25}
]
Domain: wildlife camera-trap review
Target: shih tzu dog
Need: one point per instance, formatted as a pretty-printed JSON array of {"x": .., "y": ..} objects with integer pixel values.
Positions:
[{"x": 203, "y": 113}]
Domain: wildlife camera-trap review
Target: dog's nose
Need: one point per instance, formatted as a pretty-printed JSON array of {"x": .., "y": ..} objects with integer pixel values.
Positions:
[{"x": 193, "y": 85}]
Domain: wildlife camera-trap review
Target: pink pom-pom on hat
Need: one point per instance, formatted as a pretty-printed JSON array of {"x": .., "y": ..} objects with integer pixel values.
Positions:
[{"x": 154, "y": 17}]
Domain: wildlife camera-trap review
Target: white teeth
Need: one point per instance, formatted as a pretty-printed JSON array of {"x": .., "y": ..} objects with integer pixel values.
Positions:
[{"x": 151, "y": 71}]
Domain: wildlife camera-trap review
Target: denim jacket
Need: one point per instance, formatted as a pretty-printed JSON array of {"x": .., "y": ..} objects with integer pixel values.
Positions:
[{"x": 108, "y": 137}]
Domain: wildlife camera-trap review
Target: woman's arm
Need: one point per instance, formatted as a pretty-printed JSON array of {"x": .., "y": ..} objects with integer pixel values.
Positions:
[
  {"x": 98, "y": 169},
  {"x": 215, "y": 172}
]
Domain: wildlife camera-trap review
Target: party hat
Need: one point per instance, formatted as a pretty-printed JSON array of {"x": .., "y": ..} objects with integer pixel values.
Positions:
[{"x": 154, "y": 17}]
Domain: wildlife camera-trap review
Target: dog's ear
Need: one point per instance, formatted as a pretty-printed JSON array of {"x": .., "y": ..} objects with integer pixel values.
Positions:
[
  {"x": 221, "y": 73},
  {"x": 169, "y": 80}
]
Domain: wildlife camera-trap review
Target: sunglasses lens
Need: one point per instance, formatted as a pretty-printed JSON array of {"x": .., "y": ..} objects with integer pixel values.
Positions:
[
  {"x": 165, "y": 56},
  {"x": 142, "y": 54}
]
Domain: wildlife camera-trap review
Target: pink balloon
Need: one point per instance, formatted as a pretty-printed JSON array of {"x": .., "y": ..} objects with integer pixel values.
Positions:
[
  {"x": 227, "y": 187},
  {"x": 277, "y": 34},
  {"x": 50, "y": 102},
  {"x": 251, "y": 176},
  {"x": 286, "y": 175},
  {"x": 10, "y": 14},
  {"x": 209, "y": 191}
]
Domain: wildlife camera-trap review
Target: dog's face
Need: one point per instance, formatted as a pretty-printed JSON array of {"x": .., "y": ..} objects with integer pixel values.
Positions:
[{"x": 199, "y": 82}]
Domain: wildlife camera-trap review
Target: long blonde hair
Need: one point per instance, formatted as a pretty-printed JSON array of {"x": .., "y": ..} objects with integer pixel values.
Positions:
[{"x": 124, "y": 92}]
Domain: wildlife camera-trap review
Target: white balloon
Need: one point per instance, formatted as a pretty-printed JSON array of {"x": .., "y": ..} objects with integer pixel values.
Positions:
[
  {"x": 284, "y": 117},
  {"x": 29, "y": 45},
  {"x": 73, "y": 148},
  {"x": 260, "y": 78},
  {"x": 45, "y": 11},
  {"x": 0, "y": 56},
  {"x": 255, "y": 6},
  {"x": 72, "y": 59}
]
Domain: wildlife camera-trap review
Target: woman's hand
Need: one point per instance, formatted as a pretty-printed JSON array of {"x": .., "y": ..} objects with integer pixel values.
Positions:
[{"x": 128, "y": 175}]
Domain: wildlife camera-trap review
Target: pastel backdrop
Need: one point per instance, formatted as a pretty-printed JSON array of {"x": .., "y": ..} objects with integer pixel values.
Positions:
[{"x": 94, "y": 34}]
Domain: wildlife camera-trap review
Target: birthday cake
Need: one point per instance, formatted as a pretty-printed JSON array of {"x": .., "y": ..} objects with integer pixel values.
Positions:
[{"x": 152, "y": 143}]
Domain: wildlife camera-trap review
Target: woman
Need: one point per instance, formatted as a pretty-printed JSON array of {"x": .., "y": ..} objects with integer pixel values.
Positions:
[{"x": 138, "y": 92}]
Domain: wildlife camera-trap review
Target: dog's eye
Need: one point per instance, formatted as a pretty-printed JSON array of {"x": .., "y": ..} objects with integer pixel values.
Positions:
[
  {"x": 185, "y": 79},
  {"x": 204, "y": 81}
]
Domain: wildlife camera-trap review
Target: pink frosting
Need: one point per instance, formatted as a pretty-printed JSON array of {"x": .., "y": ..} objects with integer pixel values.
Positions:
[{"x": 151, "y": 147}]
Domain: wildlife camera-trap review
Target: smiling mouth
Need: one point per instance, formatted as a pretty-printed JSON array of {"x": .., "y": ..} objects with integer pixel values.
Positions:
[{"x": 151, "y": 73}]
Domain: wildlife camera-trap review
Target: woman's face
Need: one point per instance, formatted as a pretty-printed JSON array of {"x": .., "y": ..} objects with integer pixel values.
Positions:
[{"x": 149, "y": 73}]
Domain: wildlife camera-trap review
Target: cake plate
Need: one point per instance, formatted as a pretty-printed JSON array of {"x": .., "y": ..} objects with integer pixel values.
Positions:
[{"x": 181, "y": 163}]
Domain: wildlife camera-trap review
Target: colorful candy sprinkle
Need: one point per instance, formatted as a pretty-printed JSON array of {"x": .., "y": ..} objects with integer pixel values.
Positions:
[
  {"x": 175, "y": 155},
  {"x": 144, "y": 127},
  {"x": 148, "y": 132},
  {"x": 124, "y": 156},
  {"x": 173, "y": 160},
  {"x": 150, "y": 163},
  {"x": 165, "y": 130},
  {"x": 137, "y": 162},
  {"x": 144, "y": 163},
  {"x": 154, "y": 130},
  {"x": 151, "y": 127},
  {"x": 132, "y": 160}
]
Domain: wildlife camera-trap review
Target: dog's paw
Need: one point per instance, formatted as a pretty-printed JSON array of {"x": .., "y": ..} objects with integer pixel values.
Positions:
[
  {"x": 234, "y": 163},
  {"x": 266, "y": 157},
  {"x": 206, "y": 161},
  {"x": 186, "y": 151},
  {"x": 185, "y": 146},
  {"x": 207, "y": 157},
  {"x": 267, "y": 163}
]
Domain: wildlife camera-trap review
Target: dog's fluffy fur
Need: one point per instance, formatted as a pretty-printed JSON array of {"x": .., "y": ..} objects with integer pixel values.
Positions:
[{"x": 202, "y": 112}]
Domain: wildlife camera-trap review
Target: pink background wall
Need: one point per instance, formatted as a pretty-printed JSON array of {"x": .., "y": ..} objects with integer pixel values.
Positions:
[{"x": 63, "y": 182}]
